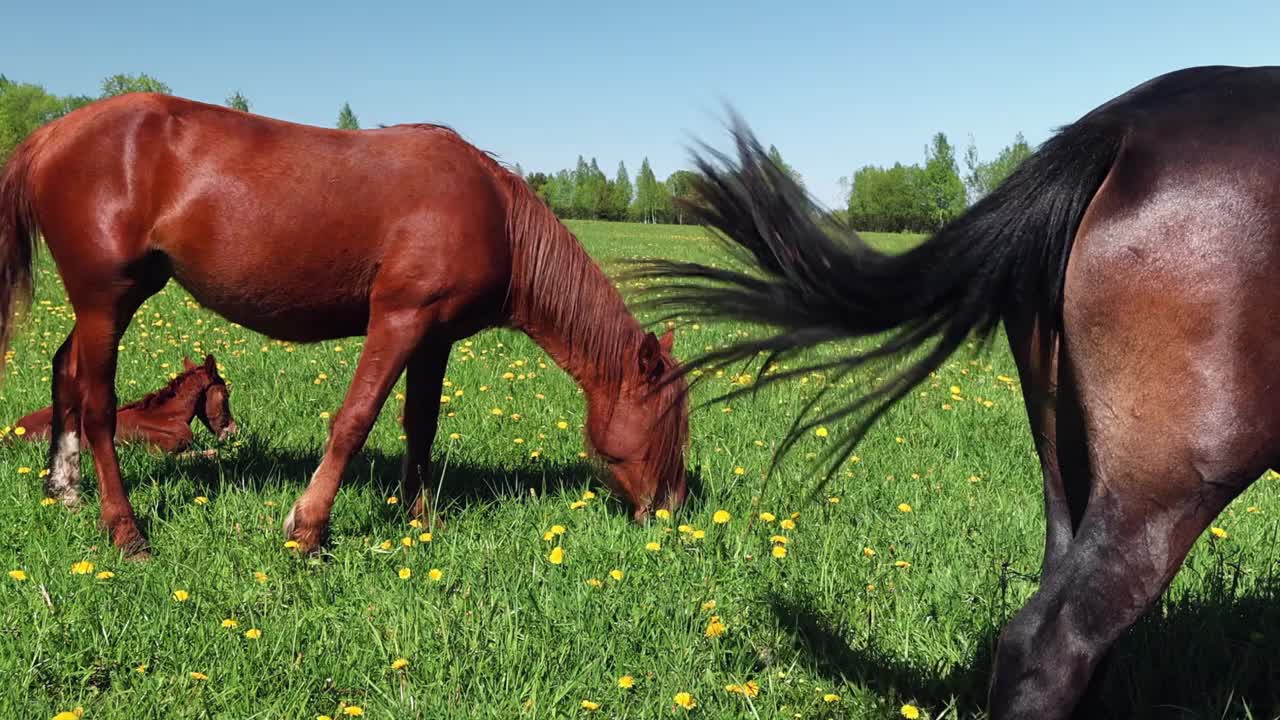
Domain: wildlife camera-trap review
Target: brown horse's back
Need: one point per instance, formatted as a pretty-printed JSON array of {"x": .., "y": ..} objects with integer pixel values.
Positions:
[{"x": 221, "y": 200}]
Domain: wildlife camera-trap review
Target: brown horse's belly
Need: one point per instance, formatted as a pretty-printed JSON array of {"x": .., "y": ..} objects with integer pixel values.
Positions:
[{"x": 285, "y": 315}]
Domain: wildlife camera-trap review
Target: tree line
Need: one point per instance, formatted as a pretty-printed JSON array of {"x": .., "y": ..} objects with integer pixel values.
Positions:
[{"x": 901, "y": 198}]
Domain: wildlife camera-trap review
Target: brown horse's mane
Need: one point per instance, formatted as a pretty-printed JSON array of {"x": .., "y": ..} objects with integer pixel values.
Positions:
[{"x": 556, "y": 284}]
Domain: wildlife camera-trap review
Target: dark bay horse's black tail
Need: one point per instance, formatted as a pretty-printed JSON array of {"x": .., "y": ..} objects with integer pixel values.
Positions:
[{"x": 813, "y": 280}]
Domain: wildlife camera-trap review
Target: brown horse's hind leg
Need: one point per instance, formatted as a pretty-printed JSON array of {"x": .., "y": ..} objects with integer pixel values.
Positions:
[
  {"x": 392, "y": 337},
  {"x": 63, "y": 482},
  {"x": 421, "y": 416}
]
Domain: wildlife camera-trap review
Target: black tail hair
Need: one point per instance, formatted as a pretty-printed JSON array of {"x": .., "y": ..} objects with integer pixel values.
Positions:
[{"x": 812, "y": 279}]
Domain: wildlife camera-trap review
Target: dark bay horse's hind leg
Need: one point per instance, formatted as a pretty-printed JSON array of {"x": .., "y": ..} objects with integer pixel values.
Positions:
[
  {"x": 421, "y": 416},
  {"x": 63, "y": 482},
  {"x": 392, "y": 336}
]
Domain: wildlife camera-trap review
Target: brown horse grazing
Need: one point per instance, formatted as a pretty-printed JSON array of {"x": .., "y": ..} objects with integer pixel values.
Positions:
[
  {"x": 162, "y": 420},
  {"x": 1132, "y": 260},
  {"x": 407, "y": 235}
]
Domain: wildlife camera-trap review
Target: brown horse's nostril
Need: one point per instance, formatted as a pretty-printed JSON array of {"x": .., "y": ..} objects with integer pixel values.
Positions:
[{"x": 229, "y": 430}]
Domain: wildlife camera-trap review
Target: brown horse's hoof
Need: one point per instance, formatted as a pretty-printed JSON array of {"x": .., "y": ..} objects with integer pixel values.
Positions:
[
  {"x": 305, "y": 539},
  {"x": 432, "y": 521},
  {"x": 130, "y": 541}
]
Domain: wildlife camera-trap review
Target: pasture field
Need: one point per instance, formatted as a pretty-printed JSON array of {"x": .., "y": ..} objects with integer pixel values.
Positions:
[{"x": 892, "y": 588}]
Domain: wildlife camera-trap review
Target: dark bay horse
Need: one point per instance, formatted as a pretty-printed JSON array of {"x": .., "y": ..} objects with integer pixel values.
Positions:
[
  {"x": 1133, "y": 261},
  {"x": 162, "y": 419},
  {"x": 408, "y": 235}
]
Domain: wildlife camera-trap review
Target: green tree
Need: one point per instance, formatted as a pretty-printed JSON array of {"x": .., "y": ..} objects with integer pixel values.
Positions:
[
  {"x": 237, "y": 101},
  {"x": 347, "y": 119},
  {"x": 889, "y": 199},
  {"x": 123, "y": 83},
  {"x": 680, "y": 187},
  {"x": 776, "y": 157},
  {"x": 23, "y": 108},
  {"x": 986, "y": 177},
  {"x": 648, "y": 202},
  {"x": 943, "y": 189},
  {"x": 620, "y": 193}
]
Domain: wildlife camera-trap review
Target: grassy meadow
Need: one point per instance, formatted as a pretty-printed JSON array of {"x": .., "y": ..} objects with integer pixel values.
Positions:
[{"x": 891, "y": 590}]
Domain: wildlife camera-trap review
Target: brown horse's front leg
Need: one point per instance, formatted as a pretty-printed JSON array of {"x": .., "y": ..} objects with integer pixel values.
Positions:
[
  {"x": 392, "y": 337},
  {"x": 97, "y": 341},
  {"x": 63, "y": 481},
  {"x": 421, "y": 417}
]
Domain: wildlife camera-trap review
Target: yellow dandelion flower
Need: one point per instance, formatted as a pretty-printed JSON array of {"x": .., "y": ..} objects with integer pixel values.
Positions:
[
  {"x": 653, "y": 546},
  {"x": 230, "y": 623},
  {"x": 434, "y": 574},
  {"x": 557, "y": 556},
  {"x": 197, "y": 676},
  {"x": 721, "y": 517},
  {"x": 385, "y": 545},
  {"x": 833, "y": 500},
  {"x": 709, "y": 605},
  {"x": 779, "y": 539},
  {"x": 406, "y": 541},
  {"x": 415, "y": 523},
  {"x": 141, "y": 669},
  {"x": 684, "y": 700},
  {"x": 590, "y": 706},
  {"x": 577, "y": 504},
  {"x": 715, "y": 627},
  {"x": 904, "y": 507},
  {"x": 663, "y": 514},
  {"x": 685, "y": 529},
  {"x": 393, "y": 500},
  {"x": 455, "y": 436},
  {"x": 779, "y": 551},
  {"x": 787, "y": 524},
  {"x": 767, "y": 517},
  {"x": 253, "y": 633},
  {"x": 19, "y": 431},
  {"x": 868, "y": 552},
  {"x": 1218, "y": 533},
  {"x": 562, "y": 425},
  {"x": 18, "y": 575},
  {"x": 291, "y": 545},
  {"x": 324, "y": 415},
  {"x": 404, "y": 573},
  {"x": 105, "y": 575},
  {"x": 46, "y": 502},
  {"x": 902, "y": 564},
  {"x": 594, "y": 582},
  {"x": 181, "y": 595},
  {"x": 617, "y": 575},
  {"x": 497, "y": 411},
  {"x": 588, "y": 495},
  {"x": 626, "y": 682},
  {"x": 830, "y": 698},
  {"x": 24, "y": 470},
  {"x": 739, "y": 471},
  {"x": 820, "y": 432},
  {"x": 71, "y": 714},
  {"x": 353, "y": 711},
  {"x": 202, "y": 500},
  {"x": 260, "y": 576},
  {"x": 1253, "y": 509},
  {"x": 84, "y": 567},
  {"x": 910, "y": 712},
  {"x": 425, "y": 537},
  {"x": 698, "y": 534},
  {"x": 399, "y": 664}
]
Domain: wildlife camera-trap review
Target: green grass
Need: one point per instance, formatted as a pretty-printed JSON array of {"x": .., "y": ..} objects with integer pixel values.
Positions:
[{"x": 507, "y": 634}]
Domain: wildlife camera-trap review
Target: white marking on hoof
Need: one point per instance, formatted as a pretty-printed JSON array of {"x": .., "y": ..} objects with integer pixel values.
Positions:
[{"x": 63, "y": 482}]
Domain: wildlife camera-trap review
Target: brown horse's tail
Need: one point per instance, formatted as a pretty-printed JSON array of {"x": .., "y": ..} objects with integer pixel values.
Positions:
[
  {"x": 812, "y": 280},
  {"x": 18, "y": 229}
]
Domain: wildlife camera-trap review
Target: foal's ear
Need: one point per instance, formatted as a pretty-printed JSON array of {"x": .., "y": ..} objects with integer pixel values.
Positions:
[
  {"x": 209, "y": 363},
  {"x": 187, "y": 364},
  {"x": 650, "y": 356}
]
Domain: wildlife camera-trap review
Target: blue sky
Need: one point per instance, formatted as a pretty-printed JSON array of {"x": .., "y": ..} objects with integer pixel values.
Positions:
[{"x": 834, "y": 85}]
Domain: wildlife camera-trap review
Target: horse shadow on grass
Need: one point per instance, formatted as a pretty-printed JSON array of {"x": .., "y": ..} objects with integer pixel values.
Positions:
[
  {"x": 257, "y": 466},
  {"x": 1210, "y": 653}
]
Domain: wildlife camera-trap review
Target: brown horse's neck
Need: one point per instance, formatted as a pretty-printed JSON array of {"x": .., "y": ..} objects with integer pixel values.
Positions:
[{"x": 562, "y": 300}]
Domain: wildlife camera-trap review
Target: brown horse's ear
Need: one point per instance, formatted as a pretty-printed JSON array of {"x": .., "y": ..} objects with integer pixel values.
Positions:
[
  {"x": 667, "y": 341},
  {"x": 187, "y": 364},
  {"x": 209, "y": 363},
  {"x": 650, "y": 356}
]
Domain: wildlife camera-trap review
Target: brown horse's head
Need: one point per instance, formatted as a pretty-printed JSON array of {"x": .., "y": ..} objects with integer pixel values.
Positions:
[
  {"x": 641, "y": 431},
  {"x": 214, "y": 407}
]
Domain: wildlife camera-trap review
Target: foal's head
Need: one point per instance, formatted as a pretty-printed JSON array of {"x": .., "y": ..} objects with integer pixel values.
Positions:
[
  {"x": 213, "y": 407},
  {"x": 641, "y": 430}
]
